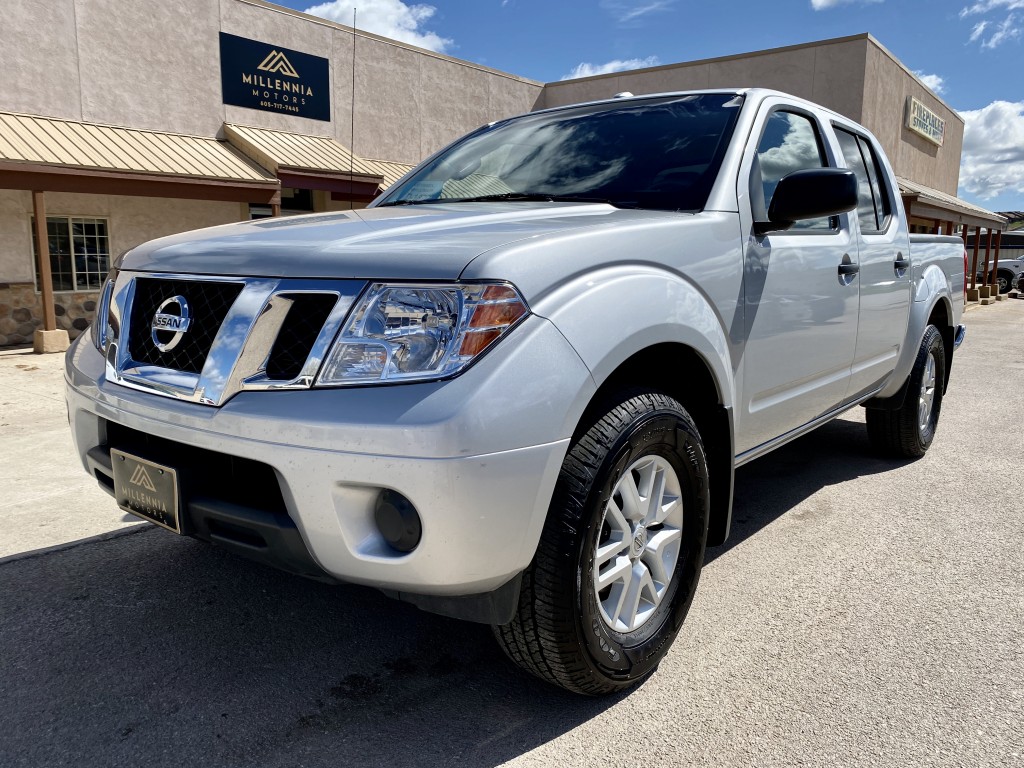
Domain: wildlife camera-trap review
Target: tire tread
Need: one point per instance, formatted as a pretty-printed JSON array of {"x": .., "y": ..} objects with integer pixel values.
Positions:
[
  {"x": 895, "y": 432},
  {"x": 536, "y": 638}
]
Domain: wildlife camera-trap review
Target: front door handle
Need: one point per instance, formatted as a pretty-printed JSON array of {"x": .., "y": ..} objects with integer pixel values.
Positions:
[{"x": 847, "y": 270}]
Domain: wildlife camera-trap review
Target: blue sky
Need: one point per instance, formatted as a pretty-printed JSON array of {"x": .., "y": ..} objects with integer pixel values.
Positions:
[{"x": 971, "y": 53}]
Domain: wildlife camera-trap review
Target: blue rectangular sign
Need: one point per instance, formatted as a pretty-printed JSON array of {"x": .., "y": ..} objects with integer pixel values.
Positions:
[{"x": 262, "y": 76}]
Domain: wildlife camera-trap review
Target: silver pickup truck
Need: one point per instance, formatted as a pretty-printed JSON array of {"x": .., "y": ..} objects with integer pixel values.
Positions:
[{"x": 515, "y": 388}]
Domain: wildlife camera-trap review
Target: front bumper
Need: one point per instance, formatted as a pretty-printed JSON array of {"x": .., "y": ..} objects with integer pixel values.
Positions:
[{"x": 477, "y": 456}]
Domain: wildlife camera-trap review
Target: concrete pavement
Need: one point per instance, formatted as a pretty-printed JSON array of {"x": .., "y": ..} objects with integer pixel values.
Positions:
[
  {"x": 865, "y": 612},
  {"x": 47, "y": 498}
]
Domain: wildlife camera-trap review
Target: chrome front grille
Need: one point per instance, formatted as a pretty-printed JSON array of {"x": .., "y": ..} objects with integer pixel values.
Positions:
[
  {"x": 208, "y": 303},
  {"x": 240, "y": 334}
]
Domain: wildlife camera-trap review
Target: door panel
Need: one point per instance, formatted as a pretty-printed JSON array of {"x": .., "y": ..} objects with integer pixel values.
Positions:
[
  {"x": 885, "y": 274},
  {"x": 800, "y": 313},
  {"x": 802, "y": 332}
]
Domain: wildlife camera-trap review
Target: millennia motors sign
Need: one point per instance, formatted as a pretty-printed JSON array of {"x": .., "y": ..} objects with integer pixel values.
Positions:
[{"x": 258, "y": 75}]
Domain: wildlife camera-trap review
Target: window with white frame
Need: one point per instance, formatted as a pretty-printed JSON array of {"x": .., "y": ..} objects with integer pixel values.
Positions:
[{"x": 79, "y": 252}]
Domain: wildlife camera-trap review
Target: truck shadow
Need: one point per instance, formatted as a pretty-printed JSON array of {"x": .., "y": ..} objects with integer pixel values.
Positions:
[
  {"x": 148, "y": 649},
  {"x": 769, "y": 487}
]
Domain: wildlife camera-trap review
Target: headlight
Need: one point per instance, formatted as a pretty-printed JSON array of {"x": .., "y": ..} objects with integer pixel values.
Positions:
[
  {"x": 419, "y": 332},
  {"x": 100, "y": 330}
]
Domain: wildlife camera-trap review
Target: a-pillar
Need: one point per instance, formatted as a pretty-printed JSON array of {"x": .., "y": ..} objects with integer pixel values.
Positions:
[{"x": 49, "y": 338}]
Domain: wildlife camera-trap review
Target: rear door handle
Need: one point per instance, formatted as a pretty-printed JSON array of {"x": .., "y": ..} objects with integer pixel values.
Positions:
[
  {"x": 849, "y": 269},
  {"x": 901, "y": 265}
]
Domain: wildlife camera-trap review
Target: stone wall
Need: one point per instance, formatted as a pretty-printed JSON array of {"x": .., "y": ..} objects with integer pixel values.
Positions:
[
  {"x": 21, "y": 312},
  {"x": 131, "y": 220}
]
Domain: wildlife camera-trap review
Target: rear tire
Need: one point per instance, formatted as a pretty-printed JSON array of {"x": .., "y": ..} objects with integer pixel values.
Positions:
[
  {"x": 621, "y": 551},
  {"x": 909, "y": 430},
  {"x": 1004, "y": 281}
]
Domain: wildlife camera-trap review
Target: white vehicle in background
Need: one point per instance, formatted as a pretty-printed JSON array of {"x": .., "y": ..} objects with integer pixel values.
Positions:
[{"x": 1008, "y": 271}]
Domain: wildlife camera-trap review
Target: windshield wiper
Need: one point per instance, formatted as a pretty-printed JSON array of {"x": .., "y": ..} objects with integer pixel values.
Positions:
[
  {"x": 419, "y": 201},
  {"x": 527, "y": 196},
  {"x": 513, "y": 196}
]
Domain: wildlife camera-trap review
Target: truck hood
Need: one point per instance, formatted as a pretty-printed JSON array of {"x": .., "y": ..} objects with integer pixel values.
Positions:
[{"x": 423, "y": 242}]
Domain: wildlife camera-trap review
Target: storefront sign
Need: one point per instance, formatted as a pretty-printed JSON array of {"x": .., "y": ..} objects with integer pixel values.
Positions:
[
  {"x": 263, "y": 76},
  {"x": 924, "y": 122}
]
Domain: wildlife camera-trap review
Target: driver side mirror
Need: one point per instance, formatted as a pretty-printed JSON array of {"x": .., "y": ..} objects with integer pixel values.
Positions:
[{"x": 809, "y": 194}]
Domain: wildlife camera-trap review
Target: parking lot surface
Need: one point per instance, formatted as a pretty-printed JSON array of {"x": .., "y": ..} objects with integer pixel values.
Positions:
[{"x": 864, "y": 612}]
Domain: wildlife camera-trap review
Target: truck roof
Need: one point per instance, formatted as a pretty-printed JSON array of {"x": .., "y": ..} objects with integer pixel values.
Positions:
[{"x": 754, "y": 93}]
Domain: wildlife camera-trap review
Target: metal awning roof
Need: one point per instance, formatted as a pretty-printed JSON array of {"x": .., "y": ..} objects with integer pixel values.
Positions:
[
  {"x": 927, "y": 202},
  {"x": 284, "y": 152},
  {"x": 390, "y": 172},
  {"x": 54, "y": 154}
]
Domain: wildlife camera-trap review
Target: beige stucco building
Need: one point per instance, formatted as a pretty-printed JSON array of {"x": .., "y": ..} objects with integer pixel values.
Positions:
[{"x": 120, "y": 122}]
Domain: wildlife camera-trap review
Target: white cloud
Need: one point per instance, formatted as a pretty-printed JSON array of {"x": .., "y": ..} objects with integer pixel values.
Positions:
[
  {"x": 586, "y": 69},
  {"x": 626, "y": 11},
  {"x": 991, "y": 5},
  {"x": 999, "y": 32},
  {"x": 821, "y": 5},
  {"x": 993, "y": 157},
  {"x": 934, "y": 82},
  {"x": 1007, "y": 30},
  {"x": 388, "y": 18}
]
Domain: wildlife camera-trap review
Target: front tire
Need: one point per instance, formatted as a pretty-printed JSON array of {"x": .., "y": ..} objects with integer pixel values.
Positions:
[
  {"x": 909, "y": 430},
  {"x": 621, "y": 551}
]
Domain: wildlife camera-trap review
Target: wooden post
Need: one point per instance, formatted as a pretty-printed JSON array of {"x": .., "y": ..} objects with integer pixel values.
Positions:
[
  {"x": 275, "y": 209},
  {"x": 974, "y": 260},
  {"x": 938, "y": 226},
  {"x": 45, "y": 274},
  {"x": 995, "y": 260},
  {"x": 988, "y": 257}
]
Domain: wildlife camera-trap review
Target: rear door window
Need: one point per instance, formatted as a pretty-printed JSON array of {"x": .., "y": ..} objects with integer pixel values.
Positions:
[
  {"x": 865, "y": 199},
  {"x": 873, "y": 207},
  {"x": 880, "y": 191}
]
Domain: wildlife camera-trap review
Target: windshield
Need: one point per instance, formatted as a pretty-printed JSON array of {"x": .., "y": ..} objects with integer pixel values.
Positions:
[{"x": 661, "y": 153}]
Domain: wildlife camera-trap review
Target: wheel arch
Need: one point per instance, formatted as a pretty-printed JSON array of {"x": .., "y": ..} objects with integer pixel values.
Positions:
[
  {"x": 941, "y": 316},
  {"x": 699, "y": 391}
]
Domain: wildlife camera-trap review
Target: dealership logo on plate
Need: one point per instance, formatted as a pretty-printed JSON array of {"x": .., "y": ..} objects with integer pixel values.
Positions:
[{"x": 141, "y": 478}]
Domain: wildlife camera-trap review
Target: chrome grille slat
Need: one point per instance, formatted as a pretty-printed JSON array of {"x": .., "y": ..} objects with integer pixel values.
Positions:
[{"x": 306, "y": 317}]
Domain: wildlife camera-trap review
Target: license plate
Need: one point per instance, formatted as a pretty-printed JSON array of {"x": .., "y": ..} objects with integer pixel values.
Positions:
[{"x": 146, "y": 489}]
